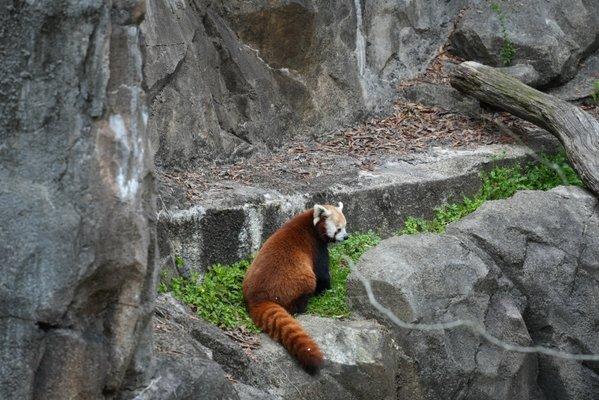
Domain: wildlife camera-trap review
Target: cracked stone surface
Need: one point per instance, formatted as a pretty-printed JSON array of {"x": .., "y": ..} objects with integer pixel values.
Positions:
[
  {"x": 226, "y": 79},
  {"x": 551, "y": 36},
  {"x": 526, "y": 267}
]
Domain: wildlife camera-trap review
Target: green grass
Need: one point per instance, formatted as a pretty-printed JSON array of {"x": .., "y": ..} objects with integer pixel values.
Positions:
[
  {"x": 332, "y": 303},
  {"x": 499, "y": 183},
  {"x": 218, "y": 298}
]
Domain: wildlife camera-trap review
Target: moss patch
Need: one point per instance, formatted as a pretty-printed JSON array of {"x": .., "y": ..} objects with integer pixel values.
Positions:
[{"x": 499, "y": 183}]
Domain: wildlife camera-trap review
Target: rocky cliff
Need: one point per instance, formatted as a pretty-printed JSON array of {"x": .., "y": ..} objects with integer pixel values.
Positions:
[
  {"x": 77, "y": 238},
  {"x": 228, "y": 78}
]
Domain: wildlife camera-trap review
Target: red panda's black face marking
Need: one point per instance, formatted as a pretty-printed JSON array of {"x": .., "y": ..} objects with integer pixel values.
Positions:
[{"x": 330, "y": 222}]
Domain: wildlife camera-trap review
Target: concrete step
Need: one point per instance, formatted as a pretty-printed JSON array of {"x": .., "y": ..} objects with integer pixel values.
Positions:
[{"x": 233, "y": 225}]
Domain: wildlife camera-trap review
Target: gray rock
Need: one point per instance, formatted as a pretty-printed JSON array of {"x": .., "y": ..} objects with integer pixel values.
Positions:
[
  {"x": 186, "y": 368},
  {"x": 77, "y": 239},
  {"x": 185, "y": 377},
  {"x": 246, "y": 392},
  {"x": 217, "y": 346},
  {"x": 552, "y": 36},
  {"x": 261, "y": 72},
  {"x": 403, "y": 37},
  {"x": 442, "y": 96},
  {"x": 360, "y": 360},
  {"x": 583, "y": 84},
  {"x": 547, "y": 245},
  {"x": 430, "y": 278},
  {"x": 526, "y": 268},
  {"x": 227, "y": 78},
  {"x": 525, "y": 73},
  {"x": 360, "y": 363}
]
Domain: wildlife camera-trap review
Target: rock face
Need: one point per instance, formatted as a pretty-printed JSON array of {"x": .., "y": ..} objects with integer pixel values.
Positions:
[
  {"x": 225, "y": 79},
  {"x": 404, "y": 36},
  {"x": 77, "y": 238},
  {"x": 440, "y": 96},
  {"x": 551, "y": 36},
  {"x": 435, "y": 278},
  {"x": 360, "y": 363},
  {"x": 186, "y": 369},
  {"x": 196, "y": 358},
  {"x": 527, "y": 268},
  {"x": 583, "y": 84},
  {"x": 551, "y": 254},
  {"x": 229, "y": 78}
]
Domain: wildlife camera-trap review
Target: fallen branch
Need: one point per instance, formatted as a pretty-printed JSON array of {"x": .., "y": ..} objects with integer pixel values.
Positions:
[{"x": 575, "y": 129}]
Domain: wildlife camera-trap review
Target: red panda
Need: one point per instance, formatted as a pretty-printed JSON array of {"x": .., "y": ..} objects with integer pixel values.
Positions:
[{"x": 291, "y": 266}]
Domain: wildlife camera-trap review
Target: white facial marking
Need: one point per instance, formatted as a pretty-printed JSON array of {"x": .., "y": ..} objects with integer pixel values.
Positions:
[
  {"x": 340, "y": 206},
  {"x": 331, "y": 228},
  {"x": 339, "y": 236}
]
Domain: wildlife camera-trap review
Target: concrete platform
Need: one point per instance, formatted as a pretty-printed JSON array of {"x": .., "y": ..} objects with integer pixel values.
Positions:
[{"x": 233, "y": 223}]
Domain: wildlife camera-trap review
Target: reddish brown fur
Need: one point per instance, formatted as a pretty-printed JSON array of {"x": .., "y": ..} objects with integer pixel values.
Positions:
[{"x": 281, "y": 276}]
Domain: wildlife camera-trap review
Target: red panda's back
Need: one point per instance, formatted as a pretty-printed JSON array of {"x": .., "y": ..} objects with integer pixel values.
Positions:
[{"x": 282, "y": 269}]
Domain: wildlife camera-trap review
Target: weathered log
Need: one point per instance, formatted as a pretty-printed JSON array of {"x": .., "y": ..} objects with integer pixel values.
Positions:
[{"x": 577, "y": 130}]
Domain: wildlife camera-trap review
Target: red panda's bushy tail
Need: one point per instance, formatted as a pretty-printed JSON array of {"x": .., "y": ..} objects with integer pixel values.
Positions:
[{"x": 273, "y": 319}]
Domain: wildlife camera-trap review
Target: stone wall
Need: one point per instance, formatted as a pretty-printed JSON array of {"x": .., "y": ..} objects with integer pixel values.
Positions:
[{"x": 232, "y": 226}]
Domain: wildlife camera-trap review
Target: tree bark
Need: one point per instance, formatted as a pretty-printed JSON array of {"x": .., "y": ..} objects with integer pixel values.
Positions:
[{"x": 575, "y": 129}]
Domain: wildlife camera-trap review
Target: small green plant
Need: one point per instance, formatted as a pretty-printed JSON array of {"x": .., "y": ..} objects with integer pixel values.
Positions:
[
  {"x": 218, "y": 298},
  {"x": 595, "y": 94},
  {"x": 163, "y": 287},
  {"x": 499, "y": 183},
  {"x": 508, "y": 50}
]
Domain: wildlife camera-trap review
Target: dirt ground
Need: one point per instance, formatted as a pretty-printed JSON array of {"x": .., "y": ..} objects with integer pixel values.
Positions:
[{"x": 339, "y": 155}]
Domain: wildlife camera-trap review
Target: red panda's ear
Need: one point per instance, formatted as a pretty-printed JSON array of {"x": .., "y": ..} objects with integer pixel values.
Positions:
[
  {"x": 340, "y": 206},
  {"x": 320, "y": 212}
]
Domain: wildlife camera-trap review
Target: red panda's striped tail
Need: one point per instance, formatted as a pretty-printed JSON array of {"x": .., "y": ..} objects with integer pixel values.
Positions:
[{"x": 281, "y": 326}]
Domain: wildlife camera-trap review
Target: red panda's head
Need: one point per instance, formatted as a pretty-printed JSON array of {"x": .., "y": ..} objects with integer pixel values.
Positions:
[{"x": 330, "y": 222}]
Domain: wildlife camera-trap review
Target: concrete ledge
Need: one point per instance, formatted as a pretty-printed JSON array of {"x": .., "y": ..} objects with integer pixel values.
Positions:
[{"x": 225, "y": 230}]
